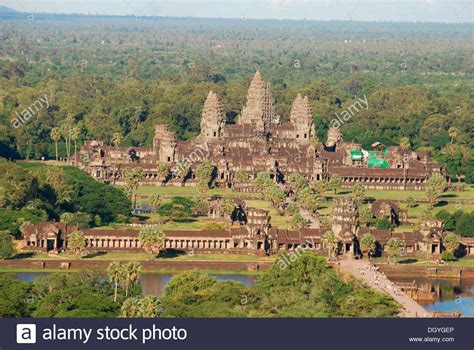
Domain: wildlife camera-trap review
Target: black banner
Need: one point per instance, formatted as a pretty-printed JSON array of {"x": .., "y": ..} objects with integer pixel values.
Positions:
[{"x": 209, "y": 334}]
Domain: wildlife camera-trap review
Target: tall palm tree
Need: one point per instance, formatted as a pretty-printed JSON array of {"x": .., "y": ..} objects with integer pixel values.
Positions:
[
  {"x": 405, "y": 143},
  {"x": 63, "y": 129},
  {"x": 331, "y": 242},
  {"x": 114, "y": 274},
  {"x": 133, "y": 271},
  {"x": 132, "y": 177},
  {"x": 453, "y": 133},
  {"x": 55, "y": 136},
  {"x": 117, "y": 139},
  {"x": 75, "y": 133}
]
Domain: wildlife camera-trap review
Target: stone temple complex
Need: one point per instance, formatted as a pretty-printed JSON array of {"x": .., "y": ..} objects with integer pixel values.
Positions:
[{"x": 260, "y": 142}]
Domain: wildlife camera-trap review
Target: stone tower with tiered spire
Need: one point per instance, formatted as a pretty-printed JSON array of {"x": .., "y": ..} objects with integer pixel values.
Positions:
[
  {"x": 345, "y": 216},
  {"x": 212, "y": 118},
  {"x": 301, "y": 116},
  {"x": 258, "y": 110},
  {"x": 164, "y": 144},
  {"x": 334, "y": 136}
]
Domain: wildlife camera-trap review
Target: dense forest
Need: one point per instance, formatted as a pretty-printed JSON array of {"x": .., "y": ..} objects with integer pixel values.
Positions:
[{"x": 129, "y": 74}]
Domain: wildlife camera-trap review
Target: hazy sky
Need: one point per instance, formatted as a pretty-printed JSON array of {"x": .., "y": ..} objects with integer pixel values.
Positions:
[{"x": 365, "y": 10}]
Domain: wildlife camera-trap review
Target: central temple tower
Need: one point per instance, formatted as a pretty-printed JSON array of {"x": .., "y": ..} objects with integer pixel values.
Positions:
[{"x": 258, "y": 110}]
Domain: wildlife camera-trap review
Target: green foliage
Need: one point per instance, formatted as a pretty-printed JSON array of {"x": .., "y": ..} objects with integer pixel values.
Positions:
[
  {"x": 331, "y": 243},
  {"x": 365, "y": 215},
  {"x": 298, "y": 221},
  {"x": 187, "y": 286},
  {"x": 305, "y": 287},
  {"x": 435, "y": 185},
  {"x": 76, "y": 241},
  {"x": 178, "y": 208},
  {"x": 14, "y": 297},
  {"x": 395, "y": 247},
  {"x": 368, "y": 243},
  {"x": 292, "y": 208},
  {"x": 79, "y": 219},
  {"x": 204, "y": 173},
  {"x": 297, "y": 181},
  {"x": 155, "y": 201},
  {"x": 82, "y": 294},
  {"x": 405, "y": 143},
  {"x": 241, "y": 175},
  {"x": 447, "y": 218},
  {"x": 152, "y": 239},
  {"x": 469, "y": 178},
  {"x": 275, "y": 195},
  {"x": 7, "y": 247},
  {"x": 132, "y": 177},
  {"x": 358, "y": 191},
  {"x": 452, "y": 242},
  {"x": 56, "y": 190},
  {"x": 263, "y": 181},
  {"x": 383, "y": 224},
  {"x": 125, "y": 275},
  {"x": 411, "y": 203},
  {"x": 465, "y": 224},
  {"x": 141, "y": 307},
  {"x": 334, "y": 183},
  {"x": 448, "y": 256},
  {"x": 11, "y": 220}
]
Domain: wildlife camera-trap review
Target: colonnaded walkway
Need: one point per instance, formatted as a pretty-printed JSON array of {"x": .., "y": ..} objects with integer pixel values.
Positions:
[{"x": 367, "y": 272}]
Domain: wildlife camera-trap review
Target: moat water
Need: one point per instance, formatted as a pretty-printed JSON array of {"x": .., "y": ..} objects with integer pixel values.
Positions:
[{"x": 448, "y": 294}]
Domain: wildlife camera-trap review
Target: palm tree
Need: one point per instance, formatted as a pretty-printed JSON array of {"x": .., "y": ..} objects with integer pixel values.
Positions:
[
  {"x": 132, "y": 177},
  {"x": 114, "y": 274},
  {"x": 453, "y": 133},
  {"x": 55, "y": 136},
  {"x": 76, "y": 241},
  {"x": 394, "y": 247},
  {"x": 75, "y": 133},
  {"x": 63, "y": 129},
  {"x": 117, "y": 139},
  {"x": 451, "y": 242},
  {"x": 368, "y": 244},
  {"x": 152, "y": 239},
  {"x": 155, "y": 201},
  {"x": 132, "y": 272},
  {"x": 331, "y": 242},
  {"x": 405, "y": 143},
  {"x": 163, "y": 172}
]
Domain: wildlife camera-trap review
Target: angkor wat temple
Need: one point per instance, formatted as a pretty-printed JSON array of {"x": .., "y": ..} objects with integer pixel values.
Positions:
[{"x": 259, "y": 142}]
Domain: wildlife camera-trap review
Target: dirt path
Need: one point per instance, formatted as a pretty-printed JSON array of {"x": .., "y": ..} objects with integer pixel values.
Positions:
[{"x": 365, "y": 271}]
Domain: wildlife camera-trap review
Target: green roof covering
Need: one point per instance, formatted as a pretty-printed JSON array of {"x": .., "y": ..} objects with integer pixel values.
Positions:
[
  {"x": 372, "y": 154},
  {"x": 356, "y": 155},
  {"x": 377, "y": 163}
]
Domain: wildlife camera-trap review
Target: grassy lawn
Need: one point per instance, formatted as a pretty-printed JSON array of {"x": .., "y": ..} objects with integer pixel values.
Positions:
[
  {"x": 463, "y": 262},
  {"x": 403, "y": 195},
  {"x": 172, "y": 191}
]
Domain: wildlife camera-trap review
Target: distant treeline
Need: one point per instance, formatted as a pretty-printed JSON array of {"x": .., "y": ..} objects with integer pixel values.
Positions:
[{"x": 130, "y": 74}]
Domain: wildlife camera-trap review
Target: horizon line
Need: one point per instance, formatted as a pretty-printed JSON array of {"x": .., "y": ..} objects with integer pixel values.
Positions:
[{"x": 139, "y": 17}]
